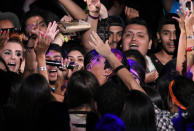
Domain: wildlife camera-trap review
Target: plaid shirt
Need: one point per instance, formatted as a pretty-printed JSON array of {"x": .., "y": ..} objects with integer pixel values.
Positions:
[{"x": 163, "y": 120}]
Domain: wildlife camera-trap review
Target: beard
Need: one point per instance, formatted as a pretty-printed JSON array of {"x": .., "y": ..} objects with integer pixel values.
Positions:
[
  {"x": 52, "y": 82},
  {"x": 168, "y": 52}
]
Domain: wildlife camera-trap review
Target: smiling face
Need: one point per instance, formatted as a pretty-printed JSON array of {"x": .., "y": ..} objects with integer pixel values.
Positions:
[
  {"x": 76, "y": 57},
  {"x": 167, "y": 35},
  {"x": 136, "y": 37},
  {"x": 52, "y": 70},
  {"x": 12, "y": 53}
]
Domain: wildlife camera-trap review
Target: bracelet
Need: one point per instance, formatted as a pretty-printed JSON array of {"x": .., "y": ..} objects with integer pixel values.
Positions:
[
  {"x": 119, "y": 68},
  {"x": 43, "y": 68},
  {"x": 65, "y": 38},
  {"x": 189, "y": 49},
  {"x": 28, "y": 48},
  {"x": 190, "y": 37},
  {"x": 93, "y": 17}
]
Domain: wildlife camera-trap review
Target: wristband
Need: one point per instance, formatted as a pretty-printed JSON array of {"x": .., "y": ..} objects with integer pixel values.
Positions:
[
  {"x": 43, "y": 68},
  {"x": 93, "y": 17},
  {"x": 189, "y": 49},
  {"x": 29, "y": 48},
  {"x": 118, "y": 68},
  {"x": 190, "y": 37},
  {"x": 65, "y": 38}
]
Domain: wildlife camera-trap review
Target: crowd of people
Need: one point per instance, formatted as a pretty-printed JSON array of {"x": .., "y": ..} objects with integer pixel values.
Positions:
[{"x": 97, "y": 65}]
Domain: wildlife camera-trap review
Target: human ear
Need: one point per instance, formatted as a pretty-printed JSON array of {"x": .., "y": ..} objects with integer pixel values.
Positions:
[
  {"x": 108, "y": 72},
  {"x": 150, "y": 44}
]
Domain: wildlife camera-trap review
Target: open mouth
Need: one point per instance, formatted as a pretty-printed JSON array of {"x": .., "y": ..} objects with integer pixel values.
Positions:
[
  {"x": 52, "y": 72},
  {"x": 133, "y": 46},
  {"x": 11, "y": 66}
]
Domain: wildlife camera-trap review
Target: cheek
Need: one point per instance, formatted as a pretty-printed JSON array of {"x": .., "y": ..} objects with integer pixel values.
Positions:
[
  {"x": 164, "y": 39},
  {"x": 6, "y": 58}
]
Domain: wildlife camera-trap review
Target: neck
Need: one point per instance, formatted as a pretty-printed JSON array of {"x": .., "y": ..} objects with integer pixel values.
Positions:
[{"x": 164, "y": 57}]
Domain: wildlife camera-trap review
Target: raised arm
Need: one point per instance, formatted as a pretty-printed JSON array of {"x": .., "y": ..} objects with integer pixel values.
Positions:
[
  {"x": 30, "y": 57},
  {"x": 73, "y": 9},
  {"x": 123, "y": 73},
  {"x": 94, "y": 12},
  {"x": 189, "y": 26},
  {"x": 181, "y": 54},
  {"x": 44, "y": 41}
]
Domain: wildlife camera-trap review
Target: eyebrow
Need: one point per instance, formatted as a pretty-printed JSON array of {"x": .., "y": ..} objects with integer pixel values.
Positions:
[
  {"x": 7, "y": 50},
  {"x": 41, "y": 22},
  {"x": 78, "y": 56}
]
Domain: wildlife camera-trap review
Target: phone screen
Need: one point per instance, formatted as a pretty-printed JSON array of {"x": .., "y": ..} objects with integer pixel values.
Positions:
[{"x": 188, "y": 5}]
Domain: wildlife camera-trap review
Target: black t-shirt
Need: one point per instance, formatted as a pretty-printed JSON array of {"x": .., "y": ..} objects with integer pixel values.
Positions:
[{"x": 159, "y": 66}]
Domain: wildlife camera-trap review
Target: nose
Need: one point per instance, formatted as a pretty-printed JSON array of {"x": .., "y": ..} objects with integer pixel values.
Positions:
[
  {"x": 114, "y": 37},
  {"x": 172, "y": 36},
  {"x": 13, "y": 56},
  {"x": 133, "y": 37}
]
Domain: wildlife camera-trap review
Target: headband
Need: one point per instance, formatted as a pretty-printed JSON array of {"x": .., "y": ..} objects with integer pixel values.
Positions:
[{"x": 174, "y": 99}]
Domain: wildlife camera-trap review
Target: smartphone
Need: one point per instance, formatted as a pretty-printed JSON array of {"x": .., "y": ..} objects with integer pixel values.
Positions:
[{"x": 188, "y": 5}]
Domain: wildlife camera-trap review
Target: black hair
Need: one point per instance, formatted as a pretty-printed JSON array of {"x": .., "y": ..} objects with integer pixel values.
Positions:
[
  {"x": 139, "y": 65},
  {"x": 154, "y": 95},
  {"x": 138, "y": 113},
  {"x": 140, "y": 21},
  {"x": 133, "y": 4},
  {"x": 31, "y": 13},
  {"x": 167, "y": 19},
  {"x": 162, "y": 84},
  {"x": 77, "y": 48},
  {"x": 110, "y": 98},
  {"x": 12, "y": 17},
  {"x": 57, "y": 48},
  {"x": 55, "y": 115},
  {"x": 183, "y": 90},
  {"x": 116, "y": 21},
  {"x": 81, "y": 88},
  {"x": 33, "y": 94},
  {"x": 4, "y": 63},
  {"x": 9, "y": 81},
  {"x": 92, "y": 55}
]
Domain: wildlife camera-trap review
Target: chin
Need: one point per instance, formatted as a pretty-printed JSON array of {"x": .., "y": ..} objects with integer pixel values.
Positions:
[{"x": 52, "y": 82}]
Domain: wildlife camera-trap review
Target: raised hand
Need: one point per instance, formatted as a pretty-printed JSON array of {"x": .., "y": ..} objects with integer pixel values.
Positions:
[
  {"x": 131, "y": 13},
  {"x": 103, "y": 12},
  {"x": 94, "y": 7},
  {"x": 181, "y": 19},
  {"x": 66, "y": 18},
  {"x": 44, "y": 39},
  {"x": 101, "y": 47}
]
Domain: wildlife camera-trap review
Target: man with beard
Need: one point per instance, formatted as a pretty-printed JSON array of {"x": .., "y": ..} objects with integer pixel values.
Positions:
[
  {"x": 167, "y": 35},
  {"x": 116, "y": 26}
]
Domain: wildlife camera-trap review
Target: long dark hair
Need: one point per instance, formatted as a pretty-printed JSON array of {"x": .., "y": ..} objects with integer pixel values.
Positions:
[
  {"x": 31, "y": 97},
  {"x": 81, "y": 88},
  {"x": 138, "y": 113}
]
